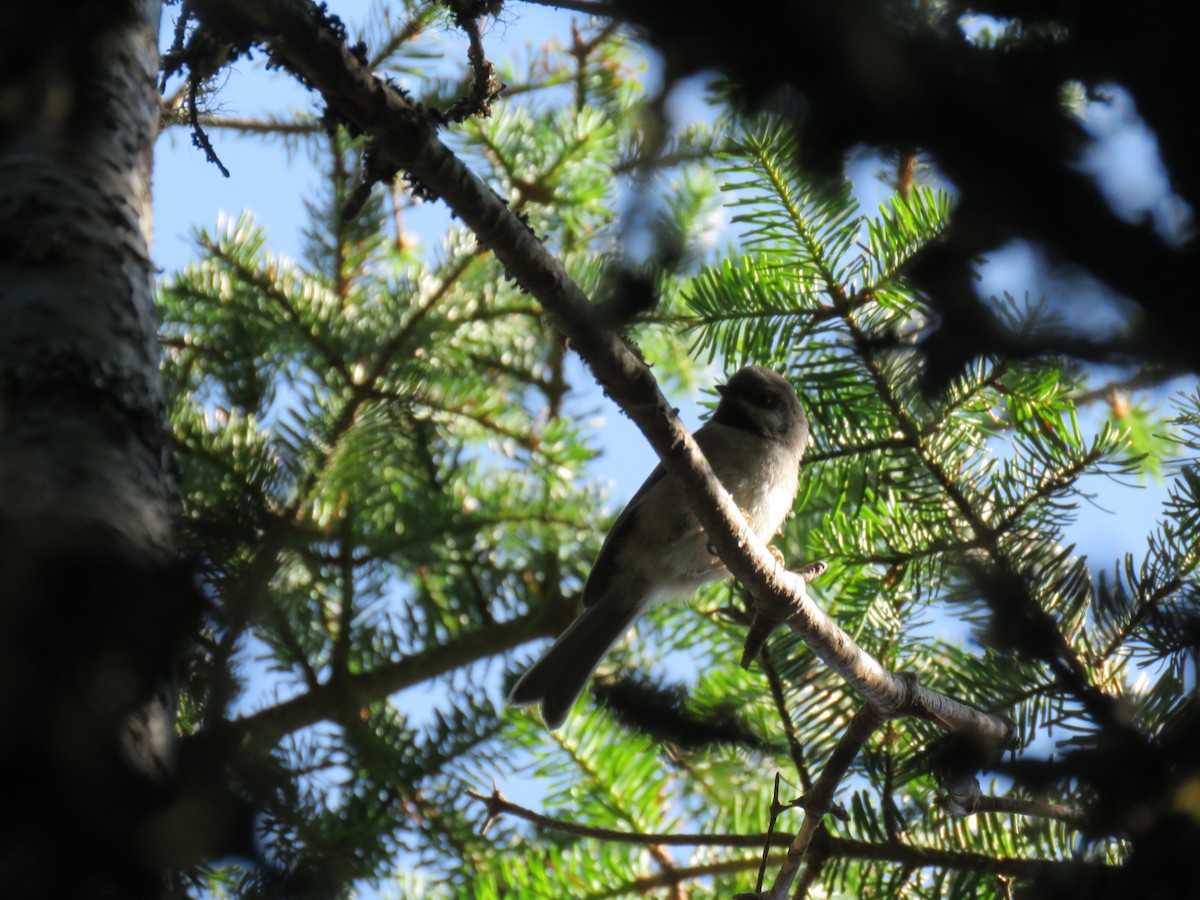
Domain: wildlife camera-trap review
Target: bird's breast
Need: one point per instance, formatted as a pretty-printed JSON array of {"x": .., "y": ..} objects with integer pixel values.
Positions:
[{"x": 766, "y": 490}]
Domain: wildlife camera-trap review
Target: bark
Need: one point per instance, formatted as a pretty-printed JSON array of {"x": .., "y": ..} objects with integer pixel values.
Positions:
[
  {"x": 93, "y": 603},
  {"x": 83, "y": 438}
]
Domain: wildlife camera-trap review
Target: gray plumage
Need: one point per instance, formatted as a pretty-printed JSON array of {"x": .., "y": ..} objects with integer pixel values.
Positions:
[{"x": 657, "y": 551}]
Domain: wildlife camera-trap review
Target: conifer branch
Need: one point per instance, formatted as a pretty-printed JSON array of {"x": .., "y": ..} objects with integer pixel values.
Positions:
[
  {"x": 498, "y": 805},
  {"x": 434, "y": 405},
  {"x": 394, "y": 343},
  {"x": 246, "y": 125},
  {"x": 855, "y": 450},
  {"x": 795, "y": 747},
  {"x": 829, "y": 846},
  {"x": 1061, "y": 480},
  {"x": 1004, "y": 577},
  {"x": 967, "y": 800},
  {"x": 819, "y": 800},
  {"x": 346, "y": 693},
  {"x": 265, "y": 283},
  {"x": 252, "y": 581},
  {"x": 402, "y": 35}
]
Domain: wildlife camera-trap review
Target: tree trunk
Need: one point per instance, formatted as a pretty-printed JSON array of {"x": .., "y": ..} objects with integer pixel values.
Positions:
[{"x": 94, "y": 608}]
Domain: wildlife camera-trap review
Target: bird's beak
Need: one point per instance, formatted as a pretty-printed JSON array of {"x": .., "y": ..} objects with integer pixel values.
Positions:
[{"x": 721, "y": 389}]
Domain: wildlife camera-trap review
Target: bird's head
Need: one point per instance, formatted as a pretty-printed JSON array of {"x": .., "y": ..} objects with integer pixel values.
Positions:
[{"x": 762, "y": 401}]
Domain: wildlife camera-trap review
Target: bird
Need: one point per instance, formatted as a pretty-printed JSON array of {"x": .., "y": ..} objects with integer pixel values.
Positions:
[{"x": 657, "y": 550}]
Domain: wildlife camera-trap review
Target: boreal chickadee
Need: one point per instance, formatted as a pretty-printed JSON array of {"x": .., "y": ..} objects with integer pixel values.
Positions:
[{"x": 657, "y": 550}]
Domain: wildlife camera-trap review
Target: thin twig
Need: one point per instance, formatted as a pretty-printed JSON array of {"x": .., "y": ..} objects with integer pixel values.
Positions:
[
  {"x": 776, "y": 809},
  {"x": 857, "y": 450},
  {"x": 823, "y": 844},
  {"x": 498, "y": 805},
  {"x": 1149, "y": 377},
  {"x": 340, "y": 657},
  {"x": 484, "y": 86},
  {"x": 819, "y": 800},
  {"x": 643, "y": 886},
  {"x": 246, "y": 125},
  {"x": 976, "y": 802},
  {"x": 199, "y": 136},
  {"x": 403, "y": 35},
  {"x": 795, "y": 748}
]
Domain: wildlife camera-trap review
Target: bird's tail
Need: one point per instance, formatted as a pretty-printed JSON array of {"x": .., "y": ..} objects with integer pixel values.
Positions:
[{"x": 559, "y": 676}]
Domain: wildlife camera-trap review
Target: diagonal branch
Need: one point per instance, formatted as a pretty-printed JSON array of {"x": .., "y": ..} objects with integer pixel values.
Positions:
[
  {"x": 819, "y": 800},
  {"x": 300, "y": 39},
  {"x": 342, "y": 693}
]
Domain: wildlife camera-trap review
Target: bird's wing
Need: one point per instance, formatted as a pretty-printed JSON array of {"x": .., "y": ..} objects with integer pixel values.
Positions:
[{"x": 605, "y": 568}]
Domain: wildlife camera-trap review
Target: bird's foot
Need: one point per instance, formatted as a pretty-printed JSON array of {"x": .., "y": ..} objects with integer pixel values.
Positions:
[
  {"x": 764, "y": 618},
  {"x": 749, "y": 518}
]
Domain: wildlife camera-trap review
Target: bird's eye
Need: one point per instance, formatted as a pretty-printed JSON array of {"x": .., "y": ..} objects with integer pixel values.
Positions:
[{"x": 767, "y": 401}]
